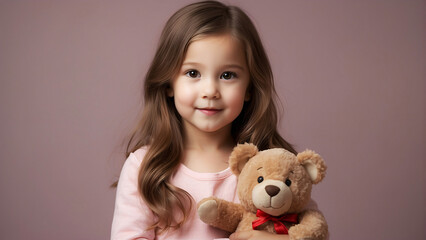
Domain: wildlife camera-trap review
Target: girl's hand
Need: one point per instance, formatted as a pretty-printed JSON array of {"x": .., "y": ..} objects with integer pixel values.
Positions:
[{"x": 257, "y": 235}]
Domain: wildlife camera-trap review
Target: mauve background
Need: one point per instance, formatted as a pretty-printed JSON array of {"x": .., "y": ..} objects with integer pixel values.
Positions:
[{"x": 350, "y": 74}]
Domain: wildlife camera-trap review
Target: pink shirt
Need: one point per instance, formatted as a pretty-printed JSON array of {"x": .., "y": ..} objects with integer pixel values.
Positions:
[{"x": 132, "y": 216}]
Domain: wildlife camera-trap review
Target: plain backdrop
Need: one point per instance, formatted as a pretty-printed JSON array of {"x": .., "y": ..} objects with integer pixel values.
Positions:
[{"x": 350, "y": 75}]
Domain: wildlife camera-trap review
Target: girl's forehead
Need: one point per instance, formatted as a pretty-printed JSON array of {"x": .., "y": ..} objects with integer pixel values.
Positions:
[
  {"x": 225, "y": 34},
  {"x": 222, "y": 38},
  {"x": 214, "y": 48}
]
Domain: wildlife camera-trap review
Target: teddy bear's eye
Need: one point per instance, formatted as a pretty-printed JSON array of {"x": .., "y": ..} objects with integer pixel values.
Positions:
[
  {"x": 260, "y": 179},
  {"x": 288, "y": 182}
]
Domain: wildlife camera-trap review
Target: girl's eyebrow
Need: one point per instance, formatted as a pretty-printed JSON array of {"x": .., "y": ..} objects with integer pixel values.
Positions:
[
  {"x": 223, "y": 66},
  {"x": 190, "y": 63},
  {"x": 234, "y": 66}
]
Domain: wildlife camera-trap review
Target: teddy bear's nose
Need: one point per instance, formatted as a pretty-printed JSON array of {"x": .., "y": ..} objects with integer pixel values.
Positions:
[{"x": 272, "y": 190}]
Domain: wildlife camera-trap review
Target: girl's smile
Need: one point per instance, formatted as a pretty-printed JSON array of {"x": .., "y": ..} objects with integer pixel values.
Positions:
[{"x": 209, "y": 111}]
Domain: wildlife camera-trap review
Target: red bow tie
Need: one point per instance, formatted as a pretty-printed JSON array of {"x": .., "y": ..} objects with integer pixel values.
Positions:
[{"x": 278, "y": 221}]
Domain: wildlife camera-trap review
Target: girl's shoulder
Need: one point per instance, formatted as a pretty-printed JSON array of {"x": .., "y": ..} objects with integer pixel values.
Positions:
[
  {"x": 139, "y": 154},
  {"x": 134, "y": 160}
]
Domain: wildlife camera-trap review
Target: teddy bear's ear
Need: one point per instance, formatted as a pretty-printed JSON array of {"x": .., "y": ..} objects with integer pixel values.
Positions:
[
  {"x": 314, "y": 165},
  {"x": 240, "y": 156}
]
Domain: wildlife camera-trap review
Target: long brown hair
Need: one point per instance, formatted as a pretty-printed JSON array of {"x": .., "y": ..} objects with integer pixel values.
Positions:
[{"x": 160, "y": 126}]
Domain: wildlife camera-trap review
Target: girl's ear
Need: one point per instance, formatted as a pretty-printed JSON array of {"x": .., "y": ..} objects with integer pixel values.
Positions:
[
  {"x": 314, "y": 165},
  {"x": 240, "y": 156}
]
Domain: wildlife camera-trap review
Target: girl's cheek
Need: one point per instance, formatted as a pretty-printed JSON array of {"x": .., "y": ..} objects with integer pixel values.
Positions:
[
  {"x": 184, "y": 94},
  {"x": 236, "y": 98}
]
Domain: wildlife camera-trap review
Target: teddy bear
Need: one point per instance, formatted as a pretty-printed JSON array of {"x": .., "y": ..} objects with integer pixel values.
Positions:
[{"x": 274, "y": 189}]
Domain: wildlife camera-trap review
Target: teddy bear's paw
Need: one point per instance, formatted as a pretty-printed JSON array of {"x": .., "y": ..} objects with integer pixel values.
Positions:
[
  {"x": 208, "y": 211},
  {"x": 299, "y": 236},
  {"x": 302, "y": 238},
  {"x": 298, "y": 232}
]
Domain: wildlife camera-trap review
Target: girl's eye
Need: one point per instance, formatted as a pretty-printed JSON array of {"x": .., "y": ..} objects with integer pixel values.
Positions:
[
  {"x": 193, "y": 74},
  {"x": 228, "y": 75}
]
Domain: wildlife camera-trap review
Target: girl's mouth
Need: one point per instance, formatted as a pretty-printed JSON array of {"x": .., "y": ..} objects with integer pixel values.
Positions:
[{"x": 209, "y": 111}]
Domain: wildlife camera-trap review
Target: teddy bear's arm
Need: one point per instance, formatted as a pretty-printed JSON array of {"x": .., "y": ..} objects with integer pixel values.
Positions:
[
  {"x": 312, "y": 225},
  {"x": 220, "y": 213}
]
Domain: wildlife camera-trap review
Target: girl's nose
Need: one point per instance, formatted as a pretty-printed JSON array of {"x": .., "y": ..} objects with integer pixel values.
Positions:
[{"x": 210, "y": 89}]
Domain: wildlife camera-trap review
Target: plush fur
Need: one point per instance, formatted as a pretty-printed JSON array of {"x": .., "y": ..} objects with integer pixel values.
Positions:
[{"x": 274, "y": 181}]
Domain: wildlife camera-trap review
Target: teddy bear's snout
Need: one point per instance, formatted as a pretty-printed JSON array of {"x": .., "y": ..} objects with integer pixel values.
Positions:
[
  {"x": 272, "y": 190},
  {"x": 272, "y": 196}
]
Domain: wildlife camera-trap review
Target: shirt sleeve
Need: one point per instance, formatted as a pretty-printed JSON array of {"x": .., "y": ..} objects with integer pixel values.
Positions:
[{"x": 131, "y": 215}]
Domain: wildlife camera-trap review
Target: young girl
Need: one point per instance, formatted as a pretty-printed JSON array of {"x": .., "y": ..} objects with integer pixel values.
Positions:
[{"x": 209, "y": 87}]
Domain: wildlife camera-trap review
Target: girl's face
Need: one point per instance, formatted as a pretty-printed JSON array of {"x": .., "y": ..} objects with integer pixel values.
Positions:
[{"x": 211, "y": 86}]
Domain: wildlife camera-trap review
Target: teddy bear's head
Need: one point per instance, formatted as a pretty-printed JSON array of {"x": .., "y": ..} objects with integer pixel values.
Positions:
[{"x": 275, "y": 180}]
